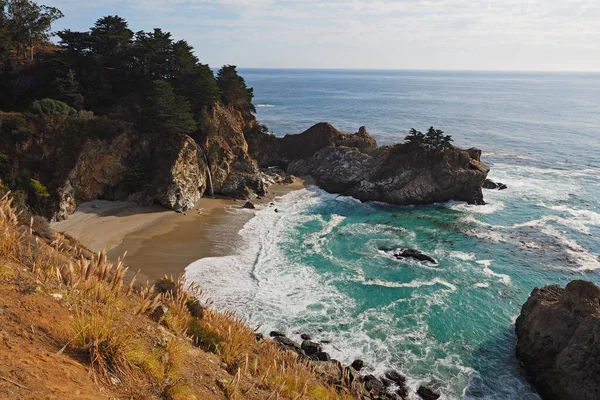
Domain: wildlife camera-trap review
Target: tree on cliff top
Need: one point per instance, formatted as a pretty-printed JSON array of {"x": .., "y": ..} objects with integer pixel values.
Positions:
[
  {"x": 168, "y": 113},
  {"x": 234, "y": 91},
  {"x": 434, "y": 139},
  {"x": 25, "y": 24}
]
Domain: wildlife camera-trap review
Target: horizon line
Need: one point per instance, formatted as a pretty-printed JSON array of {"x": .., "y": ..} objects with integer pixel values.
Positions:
[{"x": 421, "y": 70}]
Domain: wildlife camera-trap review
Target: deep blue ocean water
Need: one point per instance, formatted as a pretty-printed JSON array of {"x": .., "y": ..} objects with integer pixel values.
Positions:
[{"x": 316, "y": 266}]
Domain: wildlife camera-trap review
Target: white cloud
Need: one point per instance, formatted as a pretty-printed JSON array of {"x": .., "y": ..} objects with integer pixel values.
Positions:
[{"x": 437, "y": 34}]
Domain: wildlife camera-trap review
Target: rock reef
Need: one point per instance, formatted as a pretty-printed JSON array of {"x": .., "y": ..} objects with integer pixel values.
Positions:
[{"x": 558, "y": 335}]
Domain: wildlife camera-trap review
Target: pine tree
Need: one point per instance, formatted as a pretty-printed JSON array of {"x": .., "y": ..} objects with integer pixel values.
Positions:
[
  {"x": 234, "y": 91},
  {"x": 167, "y": 112}
]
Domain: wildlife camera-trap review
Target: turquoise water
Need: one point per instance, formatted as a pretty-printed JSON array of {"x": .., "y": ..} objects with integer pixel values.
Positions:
[{"x": 316, "y": 265}]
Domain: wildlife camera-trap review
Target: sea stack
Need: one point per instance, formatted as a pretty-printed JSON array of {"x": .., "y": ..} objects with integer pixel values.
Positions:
[
  {"x": 354, "y": 165},
  {"x": 558, "y": 335}
]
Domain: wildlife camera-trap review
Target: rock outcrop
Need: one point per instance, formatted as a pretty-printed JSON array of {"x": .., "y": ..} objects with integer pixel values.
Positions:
[
  {"x": 111, "y": 160},
  {"x": 354, "y": 165},
  {"x": 558, "y": 335}
]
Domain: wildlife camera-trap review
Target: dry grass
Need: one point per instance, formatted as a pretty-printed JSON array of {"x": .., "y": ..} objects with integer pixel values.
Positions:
[{"x": 103, "y": 303}]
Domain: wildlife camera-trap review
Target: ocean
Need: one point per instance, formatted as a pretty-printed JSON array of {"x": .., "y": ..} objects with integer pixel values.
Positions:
[{"x": 316, "y": 266}]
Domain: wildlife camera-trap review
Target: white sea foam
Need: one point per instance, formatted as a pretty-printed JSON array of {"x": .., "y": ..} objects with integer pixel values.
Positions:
[
  {"x": 413, "y": 284},
  {"x": 319, "y": 238},
  {"x": 489, "y": 208},
  {"x": 265, "y": 105},
  {"x": 486, "y": 269},
  {"x": 462, "y": 256},
  {"x": 481, "y": 285}
]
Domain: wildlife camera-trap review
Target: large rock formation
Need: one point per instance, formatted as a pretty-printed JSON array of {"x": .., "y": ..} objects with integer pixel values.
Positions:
[
  {"x": 111, "y": 160},
  {"x": 558, "y": 335},
  {"x": 354, "y": 165}
]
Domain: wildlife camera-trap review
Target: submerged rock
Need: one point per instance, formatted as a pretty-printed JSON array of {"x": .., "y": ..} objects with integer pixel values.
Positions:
[
  {"x": 413, "y": 253},
  {"x": 427, "y": 393},
  {"x": 558, "y": 341}
]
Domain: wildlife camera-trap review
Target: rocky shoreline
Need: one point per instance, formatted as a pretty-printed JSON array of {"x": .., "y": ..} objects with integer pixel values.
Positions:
[{"x": 390, "y": 386}]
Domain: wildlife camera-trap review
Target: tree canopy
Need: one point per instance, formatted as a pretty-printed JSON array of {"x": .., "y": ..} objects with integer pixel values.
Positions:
[
  {"x": 113, "y": 71},
  {"x": 434, "y": 139},
  {"x": 167, "y": 112},
  {"x": 233, "y": 89},
  {"x": 23, "y": 25}
]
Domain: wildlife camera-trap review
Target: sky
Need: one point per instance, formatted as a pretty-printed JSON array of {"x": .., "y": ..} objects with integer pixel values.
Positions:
[{"x": 506, "y": 35}]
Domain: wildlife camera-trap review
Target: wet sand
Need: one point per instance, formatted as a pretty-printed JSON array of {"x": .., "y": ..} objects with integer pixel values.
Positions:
[{"x": 160, "y": 242}]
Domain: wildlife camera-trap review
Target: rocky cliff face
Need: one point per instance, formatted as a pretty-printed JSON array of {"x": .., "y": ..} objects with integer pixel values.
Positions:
[
  {"x": 93, "y": 158},
  {"x": 354, "y": 165},
  {"x": 558, "y": 335}
]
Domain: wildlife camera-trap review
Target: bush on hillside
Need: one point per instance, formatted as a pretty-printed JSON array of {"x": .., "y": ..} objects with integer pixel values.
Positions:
[{"x": 51, "y": 107}]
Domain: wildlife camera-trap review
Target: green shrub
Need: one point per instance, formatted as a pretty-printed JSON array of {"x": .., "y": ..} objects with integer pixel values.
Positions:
[
  {"x": 40, "y": 190},
  {"x": 51, "y": 107}
]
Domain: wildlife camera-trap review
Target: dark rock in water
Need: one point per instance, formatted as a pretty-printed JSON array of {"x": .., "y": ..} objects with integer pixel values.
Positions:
[
  {"x": 558, "y": 341},
  {"x": 276, "y": 334},
  {"x": 490, "y": 184},
  {"x": 259, "y": 337},
  {"x": 358, "y": 364},
  {"x": 402, "y": 392},
  {"x": 413, "y": 253},
  {"x": 305, "y": 336},
  {"x": 325, "y": 341},
  {"x": 311, "y": 348},
  {"x": 249, "y": 205},
  {"x": 289, "y": 344},
  {"x": 427, "y": 393},
  {"x": 321, "y": 356},
  {"x": 374, "y": 386},
  {"x": 395, "y": 377},
  {"x": 276, "y": 210}
]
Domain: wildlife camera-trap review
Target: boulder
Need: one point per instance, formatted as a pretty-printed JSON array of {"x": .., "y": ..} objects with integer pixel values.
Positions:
[
  {"x": 490, "y": 184},
  {"x": 305, "y": 336},
  {"x": 358, "y": 364},
  {"x": 249, "y": 205},
  {"x": 395, "y": 377},
  {"x": 427, "y": 393},
  {"x": 558, "y": 341},
  {"x": 311, "y": 348},
  {"x": 276, "y": 334},
  {"x": 374, "y": 386},
  {"x": 321, "y": 356}
]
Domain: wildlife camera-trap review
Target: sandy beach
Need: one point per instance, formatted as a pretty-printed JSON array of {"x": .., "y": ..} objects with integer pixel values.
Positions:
[{"x": 161, "y": 242}]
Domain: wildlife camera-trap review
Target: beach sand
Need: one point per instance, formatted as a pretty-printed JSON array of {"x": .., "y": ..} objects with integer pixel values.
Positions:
[{"x": 161, "y": 242}]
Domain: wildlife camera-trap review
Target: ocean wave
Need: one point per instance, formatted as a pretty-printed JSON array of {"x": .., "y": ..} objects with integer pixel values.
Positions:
[
  {"x": 489, "y": 208},
  {"x": 486, "y": 269},
  {"x": 413, "y": 284},
  {"x": 265, "y": 106}
]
